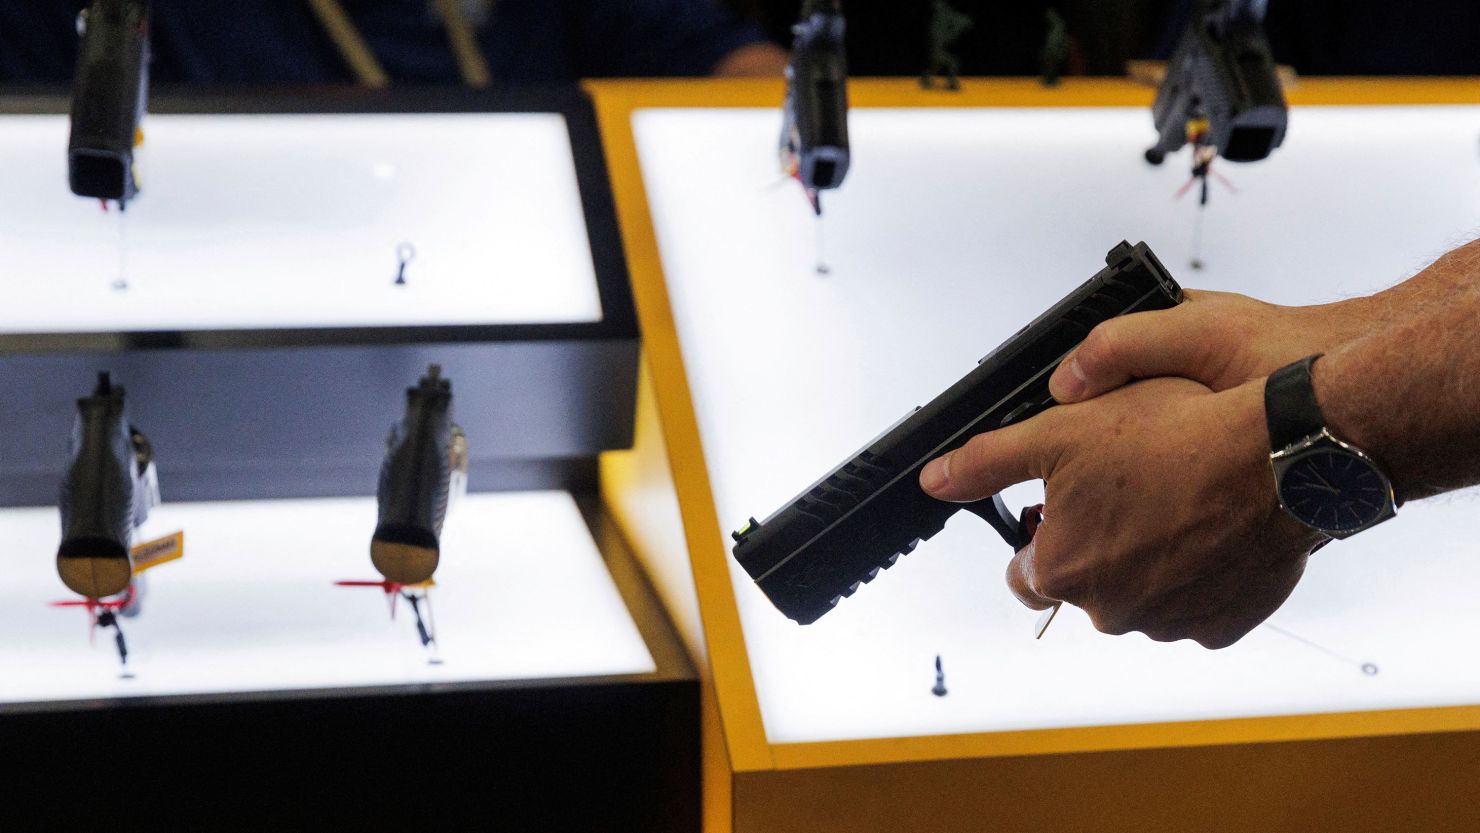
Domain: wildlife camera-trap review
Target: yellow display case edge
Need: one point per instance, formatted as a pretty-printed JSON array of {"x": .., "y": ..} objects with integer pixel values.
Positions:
[
  {"x": 731, "y": 701},
  {"x": 729, "y": 665},
  {"x": 1017, "y": 92},
  {"x": 1281, "y": 729}
]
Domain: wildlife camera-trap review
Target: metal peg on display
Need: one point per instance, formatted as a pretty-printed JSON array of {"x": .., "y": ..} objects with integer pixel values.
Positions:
[{"x": 405, "y": 253}]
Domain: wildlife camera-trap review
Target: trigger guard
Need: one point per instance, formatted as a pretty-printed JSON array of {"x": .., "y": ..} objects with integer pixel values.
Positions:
[{"x": 1017, "y": 531}]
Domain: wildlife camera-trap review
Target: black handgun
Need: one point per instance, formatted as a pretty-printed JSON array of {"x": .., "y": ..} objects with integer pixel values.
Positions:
[
  {"x": 109, "y": 94},
  {"x": 860, "y": 517},
  {"x": 814, "y": 130},
  {"x": 1222, "y": 73},
  {"x": 109, "y": 488},
  {"x": 424, "y": 453}
]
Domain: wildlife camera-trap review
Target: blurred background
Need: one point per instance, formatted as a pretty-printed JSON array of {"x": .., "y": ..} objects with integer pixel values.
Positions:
[{"x": 216, "y": 42}]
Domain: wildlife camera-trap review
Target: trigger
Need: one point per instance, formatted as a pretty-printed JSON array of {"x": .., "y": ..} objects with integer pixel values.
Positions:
[
  {"x": 1017, "y": 532},
  {"x": 1031, "y": 517}
]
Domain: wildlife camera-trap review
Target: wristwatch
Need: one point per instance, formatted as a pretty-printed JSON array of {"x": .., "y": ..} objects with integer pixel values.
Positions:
[{"x": 1324, "y": 482}]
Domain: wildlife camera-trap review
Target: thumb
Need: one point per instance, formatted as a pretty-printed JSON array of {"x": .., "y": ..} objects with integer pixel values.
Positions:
[
  {"x": 1174, "y": 342},
  {"x": 992, "y": 461}
]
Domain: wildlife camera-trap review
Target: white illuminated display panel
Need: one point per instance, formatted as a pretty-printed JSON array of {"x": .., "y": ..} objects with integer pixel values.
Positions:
[
  {"x": 954, "y": 229},
  {"x": 278, "y": 221},
  {"x": 522, "y": 593}
]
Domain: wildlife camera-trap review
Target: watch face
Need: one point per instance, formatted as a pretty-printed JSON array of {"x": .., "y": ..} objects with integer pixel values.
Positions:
[{"x": 1334, "y": 490}]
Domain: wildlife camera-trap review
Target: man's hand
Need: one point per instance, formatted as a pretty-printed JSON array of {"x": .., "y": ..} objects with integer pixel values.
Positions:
[
  {"x": 1217, "y": 338},
  {"x": 1161, "y": 513},
  {"x": 755, "y": 60}
]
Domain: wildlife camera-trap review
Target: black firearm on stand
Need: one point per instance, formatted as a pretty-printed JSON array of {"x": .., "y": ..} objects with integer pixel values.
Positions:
[
  {"x": 424, "y": 470},
  {"x": 814, "y": 130},
  {"x": 1221, "y": 94},
  {"x": 416, "y": 483},
  {"x": 1221, "y": 88},
  {"x": 107, "y": 492},
  {"x": 109, "y": 95}
]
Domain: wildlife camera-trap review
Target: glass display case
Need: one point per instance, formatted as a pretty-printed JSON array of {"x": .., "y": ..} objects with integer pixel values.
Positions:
[
  {"x": 779, "y": 343},
  {"x": 291, "y": 265}
]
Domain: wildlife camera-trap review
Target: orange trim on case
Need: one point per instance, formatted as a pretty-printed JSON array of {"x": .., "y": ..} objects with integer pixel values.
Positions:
[
  {"x": 748, "y": 747},
  {"x": 1222, "y": 732},
  {"x": 740, "y": 713}
]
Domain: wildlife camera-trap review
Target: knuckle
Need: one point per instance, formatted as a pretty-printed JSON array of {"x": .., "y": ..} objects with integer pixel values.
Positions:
[
  {"x": 1100, "y": 349},
  {"x": 1165, "y": 632},
  {"x": 968, "y": 462},
  {"x": 976, "y": 449},
  {"x": 1231, "y": 332},
  {"x": 1217, "y": 639},
  {"x": 1055, "y": 580},
  {"x": 1109, "y": 624}
]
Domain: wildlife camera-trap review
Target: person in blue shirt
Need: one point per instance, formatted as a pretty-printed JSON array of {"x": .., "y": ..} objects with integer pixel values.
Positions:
[{"x": 210, "y": 42}]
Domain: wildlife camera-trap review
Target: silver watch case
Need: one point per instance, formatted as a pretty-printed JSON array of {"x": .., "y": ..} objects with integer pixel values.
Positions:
[{"x": 1282, "y": 460}]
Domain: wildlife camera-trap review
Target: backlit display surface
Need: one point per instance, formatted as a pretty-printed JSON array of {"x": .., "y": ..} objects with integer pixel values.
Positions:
[
  {"x": 521, "y": 593},
  {"x": 300, "y": 221},
  {"x": 955, "y": 228}
]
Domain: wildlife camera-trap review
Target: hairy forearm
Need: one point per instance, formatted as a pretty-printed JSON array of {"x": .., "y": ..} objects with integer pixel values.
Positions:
[
  {"x": 1409, "y": 390},
  {"x": 1457, "y": 273}
]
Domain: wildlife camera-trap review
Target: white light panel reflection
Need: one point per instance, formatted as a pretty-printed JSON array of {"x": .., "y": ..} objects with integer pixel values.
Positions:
[
  {"x": 954, "y": 229},
  {"x": 278, "y": 221},
  {"x": 522, "y": 593}
]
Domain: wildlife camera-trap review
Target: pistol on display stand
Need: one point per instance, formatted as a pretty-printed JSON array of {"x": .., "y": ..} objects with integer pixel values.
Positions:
[
  {"x": 858, "y": 519},
  {"x": 425, "y": 469},
  {"x": 415, "y": 483},
  {"x": 108, "y": 490},
  {"x": 1221, "y": 88},
  {"x": 814, "y": 130},
  {"x": 109, "y": 95}
]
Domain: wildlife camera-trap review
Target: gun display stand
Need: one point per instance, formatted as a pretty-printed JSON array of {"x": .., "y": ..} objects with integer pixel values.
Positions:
[
  {"x": 292, "y": 262},
  {"x": 963, "y": 218}
]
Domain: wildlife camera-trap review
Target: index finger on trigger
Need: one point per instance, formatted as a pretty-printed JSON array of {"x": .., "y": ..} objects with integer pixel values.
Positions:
[{"x": 990, "y": 462}]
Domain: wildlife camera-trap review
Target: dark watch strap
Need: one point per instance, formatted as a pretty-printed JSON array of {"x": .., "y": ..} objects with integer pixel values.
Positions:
[{"x": 1290, "y": 408}]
